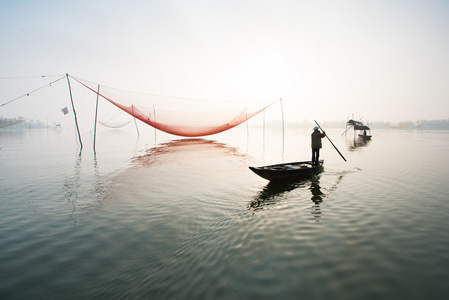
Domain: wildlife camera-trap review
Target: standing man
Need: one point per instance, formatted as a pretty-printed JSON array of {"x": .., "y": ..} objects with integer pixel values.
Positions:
[{"x": 316, "y": 144}]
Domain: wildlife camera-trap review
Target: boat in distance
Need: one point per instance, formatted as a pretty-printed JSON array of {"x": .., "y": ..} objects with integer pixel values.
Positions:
[
  {"x": 364, "y": 137},
  {"x": 288, "y": 171}
]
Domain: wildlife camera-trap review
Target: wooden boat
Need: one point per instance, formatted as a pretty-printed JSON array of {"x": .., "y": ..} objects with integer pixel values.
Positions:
[
  {"x": 365, "y": 137},
  {"x": 288, "y": 171},
  {"x": 362, "y": 130}
]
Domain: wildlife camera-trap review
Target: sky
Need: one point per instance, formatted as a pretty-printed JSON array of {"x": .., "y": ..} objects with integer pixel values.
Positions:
[{"x": 384, "y": 60}]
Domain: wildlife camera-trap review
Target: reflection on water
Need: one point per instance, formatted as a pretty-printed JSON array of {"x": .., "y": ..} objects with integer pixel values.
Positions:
[
  {"x": 177, "y": 149},
  {"x": 276, "y": 191},
  {"x": 84, "y": 192},
  {"x": 184, "y": 163},
  {"x": 188, "y": 220},
  {"x": 317, "y": 194},
  {"x": 317, "y": 198},
  {"x": 273, "y": 192},
  {"x": 99, "y": 190},
  {"x": 357, "y": 143},
  {"x": 72, "y": 185}
]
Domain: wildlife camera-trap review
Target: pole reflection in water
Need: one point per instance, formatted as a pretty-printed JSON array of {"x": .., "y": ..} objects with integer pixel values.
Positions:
[
  {"x": 99, "y": 185},
  {"x": 84, "y": 191},
  {"x": 71, "y": 186}
]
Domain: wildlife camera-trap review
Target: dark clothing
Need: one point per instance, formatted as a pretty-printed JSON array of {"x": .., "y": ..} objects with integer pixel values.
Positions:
[
  {"x": 315, "y": 155},
  {"x": 316, "y": 145},
  {"x": 316, "y": 139}
]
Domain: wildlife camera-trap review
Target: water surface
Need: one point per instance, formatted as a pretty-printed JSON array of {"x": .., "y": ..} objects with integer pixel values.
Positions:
[{"x": 161, "y": 217}]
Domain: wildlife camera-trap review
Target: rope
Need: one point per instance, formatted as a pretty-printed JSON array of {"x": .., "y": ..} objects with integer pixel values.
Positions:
[
  {"x": 120, "y": 113},
  {"x": 172, "y": 97},
  {"x": 23, "y": 77},
  {"x": 27, "y": 94}
]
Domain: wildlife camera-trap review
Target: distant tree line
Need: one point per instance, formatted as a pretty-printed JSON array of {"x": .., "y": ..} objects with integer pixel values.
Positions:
[
  {"x": 21, "y": 122},
  {"x": 437, "y": 124}
]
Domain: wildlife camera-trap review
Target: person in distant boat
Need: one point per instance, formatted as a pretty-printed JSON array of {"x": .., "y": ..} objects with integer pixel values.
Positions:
[{"x": 316, "y": 144}]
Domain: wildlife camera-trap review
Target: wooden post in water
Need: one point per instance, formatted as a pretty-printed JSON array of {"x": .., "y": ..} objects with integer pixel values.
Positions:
[
  {"x": 74, "y": 112},
  {"x": 263, "y": 127},
  {"x": 96, "y": 113},
  {"x": 135, "y": 123},
  {"x": 155, "y": 131},
  {"x": 283, "y": 134},
  {"x": 247, "y": 126}
]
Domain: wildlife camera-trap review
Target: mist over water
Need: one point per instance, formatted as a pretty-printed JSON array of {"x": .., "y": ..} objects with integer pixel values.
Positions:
[{"x": 163, "y": 217}]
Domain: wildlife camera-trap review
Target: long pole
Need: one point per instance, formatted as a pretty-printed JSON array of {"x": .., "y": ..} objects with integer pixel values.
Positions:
[
  {"x": 135, "y": 123},
  {"x": 282, "y": 113},
  {"x": 96, "y": 113},
  {"x": 283, "y": 129},
  {"x": 331, "y": 142},
  {"x": 74, "y": 112}
]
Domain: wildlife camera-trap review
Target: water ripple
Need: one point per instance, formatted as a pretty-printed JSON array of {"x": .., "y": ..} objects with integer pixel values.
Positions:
[{"x": 188, "y": 220}]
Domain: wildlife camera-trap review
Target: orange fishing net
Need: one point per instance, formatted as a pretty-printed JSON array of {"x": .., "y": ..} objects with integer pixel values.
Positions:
[{"x": 180, "y": 116}]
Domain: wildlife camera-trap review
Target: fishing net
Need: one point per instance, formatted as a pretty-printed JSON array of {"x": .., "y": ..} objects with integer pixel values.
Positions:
[
  {"x": 114, "y": 124},
  {"x": 180, "y": 116}
]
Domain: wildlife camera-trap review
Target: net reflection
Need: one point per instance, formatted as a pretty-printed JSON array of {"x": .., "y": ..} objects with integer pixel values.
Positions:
[
  {"x": 176, "y": 151},
  {"x": 199, "y": 170}
]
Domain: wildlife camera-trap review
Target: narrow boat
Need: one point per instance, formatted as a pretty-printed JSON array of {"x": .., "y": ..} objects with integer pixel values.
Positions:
[
  {"x": 363, "y": 131},
  {"x": 364, "y": 136},
  {"x": 288, "y": 171}
]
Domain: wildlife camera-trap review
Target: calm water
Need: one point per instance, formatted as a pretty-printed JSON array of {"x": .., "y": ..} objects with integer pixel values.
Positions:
[{"x": 157, "y": 217}]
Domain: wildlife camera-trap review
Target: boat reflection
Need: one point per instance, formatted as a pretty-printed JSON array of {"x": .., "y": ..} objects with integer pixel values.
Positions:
[
  {"x": 317, "y": 194},
  {"x": 312, "y": 188},
  {"x": 317, "y": 198},
  {"x": 275, "y": 191},
  {"x": 357, "y": 143}
]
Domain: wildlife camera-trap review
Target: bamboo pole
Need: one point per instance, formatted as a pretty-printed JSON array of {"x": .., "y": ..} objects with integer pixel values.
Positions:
[
  {"x": 74, "y": 112},
  {"x": 283, "y": 129},
  {"x": 96, "y": 113},
  {"x": 331, "y": 142}
]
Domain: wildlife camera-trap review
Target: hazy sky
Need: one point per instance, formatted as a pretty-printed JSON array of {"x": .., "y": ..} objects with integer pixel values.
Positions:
[{"x": 382, "y": 60}]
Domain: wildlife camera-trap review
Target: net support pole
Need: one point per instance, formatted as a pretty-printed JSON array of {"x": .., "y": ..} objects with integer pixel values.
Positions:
[
  {"x": 283, "y": 127},
  {"x": 137, "y": 128},
  {"x": 74, "y": 112},
  {"x": 154, "y": 113},
  {"x": 263, "y": 127},
  {"x": 135, "y": 123},
  {"x": 263, "y": 139},
  {"x": 96, "y": 114},
  {"x": 247, "y": 125}
]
